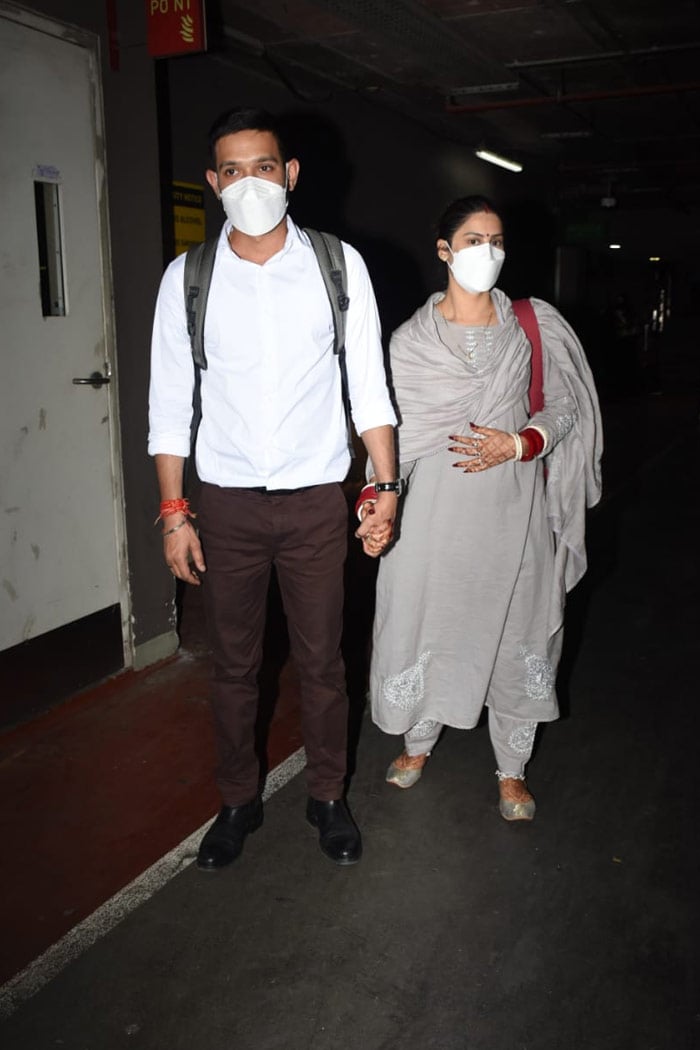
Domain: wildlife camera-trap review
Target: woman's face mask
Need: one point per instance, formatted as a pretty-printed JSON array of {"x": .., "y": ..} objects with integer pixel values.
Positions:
[
  {"x": 254, "y": 206},
  {"x": 476, "y": 268}
]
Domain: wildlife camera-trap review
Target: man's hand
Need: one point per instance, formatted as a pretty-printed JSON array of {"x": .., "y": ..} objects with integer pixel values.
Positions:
[
  {"x": 183, "y": 550},
  {"x": 377, "y": 527}
]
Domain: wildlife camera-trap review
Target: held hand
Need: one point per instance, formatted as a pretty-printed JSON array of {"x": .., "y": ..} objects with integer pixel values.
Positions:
[
  {"x": 182, "y": 551},
  {"x": 377, "y": 528},
  {"x": 486, "y": 446}
]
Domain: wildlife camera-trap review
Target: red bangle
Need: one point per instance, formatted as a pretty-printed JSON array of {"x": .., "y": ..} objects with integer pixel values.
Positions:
[
  {"x": 367, "y": 494},
  {"x": 174, "y": 506},
  {"x": 535, "y": 443}
]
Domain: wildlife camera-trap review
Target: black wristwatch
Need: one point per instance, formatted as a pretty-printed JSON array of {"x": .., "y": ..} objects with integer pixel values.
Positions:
[{"x": 389, "y": 486}]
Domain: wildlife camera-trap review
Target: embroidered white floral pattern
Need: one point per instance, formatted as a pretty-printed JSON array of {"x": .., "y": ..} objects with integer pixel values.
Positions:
[
  {"x": 478, "y": 347},
  {"x": 563, "y": 422},
  {"x": 472, "y": 344},
  {"x": 407, "y": 689},
  {"x": 521, "y": 739},
  {"x": 539, "y": 676},
  {"x": 426, "y": 727}
]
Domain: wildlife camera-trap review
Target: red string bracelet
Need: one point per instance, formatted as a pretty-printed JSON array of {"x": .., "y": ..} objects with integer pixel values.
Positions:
[
  {"x": 174, "y": 506},
  {"x": 535, "y": 443}
]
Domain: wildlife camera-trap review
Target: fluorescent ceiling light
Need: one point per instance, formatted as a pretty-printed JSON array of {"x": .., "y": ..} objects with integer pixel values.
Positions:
[
  {"x": 614, "y": 246},
  {"x": 496, "y": 158},
  {"x": 485, "y": 89},
  {"x": 654, "y": 258}
]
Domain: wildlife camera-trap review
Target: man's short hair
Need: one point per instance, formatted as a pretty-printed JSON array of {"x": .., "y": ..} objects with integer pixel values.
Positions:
[{"x": 244, "y": 118}]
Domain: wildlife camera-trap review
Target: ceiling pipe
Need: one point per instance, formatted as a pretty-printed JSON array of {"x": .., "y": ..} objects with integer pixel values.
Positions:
[
  {"x": 581, "y": 96},
  {"x": 603, "y": 56}
]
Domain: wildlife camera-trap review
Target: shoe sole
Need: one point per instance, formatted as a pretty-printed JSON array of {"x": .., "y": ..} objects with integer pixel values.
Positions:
[
  {"x": 344, "y": 862},
  {"x": 341, "y": 862},
  {"x": 521, "y": 811},
  {"x": 403, "y": 778}
]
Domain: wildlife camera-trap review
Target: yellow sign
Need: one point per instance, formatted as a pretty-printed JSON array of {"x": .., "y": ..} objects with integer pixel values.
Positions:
[{"x": 188, "y": 215}]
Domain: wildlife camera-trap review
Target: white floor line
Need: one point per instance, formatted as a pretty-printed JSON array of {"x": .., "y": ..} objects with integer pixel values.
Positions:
[{"x": 47, "y": 966}]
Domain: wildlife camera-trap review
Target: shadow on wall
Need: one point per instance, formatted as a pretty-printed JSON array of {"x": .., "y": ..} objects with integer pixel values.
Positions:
[{"x": 319, "y": 200}]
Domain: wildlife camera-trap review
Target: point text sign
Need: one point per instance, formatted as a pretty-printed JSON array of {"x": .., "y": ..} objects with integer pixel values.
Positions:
[{"x": 175, "y": 27}]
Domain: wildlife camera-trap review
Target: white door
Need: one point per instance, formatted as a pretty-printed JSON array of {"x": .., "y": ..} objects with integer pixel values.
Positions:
[{"x": 61, "y": 529}]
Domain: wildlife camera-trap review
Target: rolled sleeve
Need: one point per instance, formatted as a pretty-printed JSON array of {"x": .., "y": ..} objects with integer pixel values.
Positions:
[
  {"x": 370, "y": 402},
  {"x": 172, "y": 369}
]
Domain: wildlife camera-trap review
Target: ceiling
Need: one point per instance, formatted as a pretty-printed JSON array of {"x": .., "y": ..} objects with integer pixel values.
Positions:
[{"x": 602, "y": 96}]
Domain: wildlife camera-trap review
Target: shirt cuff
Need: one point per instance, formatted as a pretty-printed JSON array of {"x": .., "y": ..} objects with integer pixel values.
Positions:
[{"x": 170, "y": 445}]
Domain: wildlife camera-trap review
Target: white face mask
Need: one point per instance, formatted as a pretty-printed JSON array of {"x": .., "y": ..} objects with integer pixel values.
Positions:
[
  {"x": 254, "y": 206},
  {"x": 476, "y": 269}
]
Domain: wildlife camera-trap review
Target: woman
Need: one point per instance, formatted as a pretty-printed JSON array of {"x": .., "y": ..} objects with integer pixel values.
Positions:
[{"x": 470, "y": 596}]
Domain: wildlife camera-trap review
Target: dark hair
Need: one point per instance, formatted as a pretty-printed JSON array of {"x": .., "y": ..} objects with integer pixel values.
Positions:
[
  {"x": 459, "y": 211},
  {"x": 244, "y": 118}
]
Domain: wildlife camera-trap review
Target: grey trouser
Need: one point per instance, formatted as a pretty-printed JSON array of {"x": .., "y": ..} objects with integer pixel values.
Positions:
[{"x": 512, "y": 740}]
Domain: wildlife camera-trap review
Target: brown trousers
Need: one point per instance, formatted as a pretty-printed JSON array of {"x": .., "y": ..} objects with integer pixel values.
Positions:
[{"x": 304, "y": 535}]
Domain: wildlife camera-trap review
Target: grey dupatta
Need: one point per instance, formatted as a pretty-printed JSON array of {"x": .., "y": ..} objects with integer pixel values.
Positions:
[{"x": 433, "y": 401}]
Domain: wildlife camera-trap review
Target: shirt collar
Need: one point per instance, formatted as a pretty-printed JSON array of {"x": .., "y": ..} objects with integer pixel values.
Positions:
[{"x": 291, "y": 241}]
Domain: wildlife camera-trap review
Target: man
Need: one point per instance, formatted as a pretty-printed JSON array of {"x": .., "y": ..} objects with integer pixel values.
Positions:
[{"x": 271, "y": 450}]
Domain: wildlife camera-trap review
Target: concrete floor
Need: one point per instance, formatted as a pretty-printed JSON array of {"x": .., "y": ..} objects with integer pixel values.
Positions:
[{"x": 458, "y": 930}]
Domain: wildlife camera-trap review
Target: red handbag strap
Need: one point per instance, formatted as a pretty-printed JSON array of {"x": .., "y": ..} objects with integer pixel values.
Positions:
[{"x": 527, "y": 319}]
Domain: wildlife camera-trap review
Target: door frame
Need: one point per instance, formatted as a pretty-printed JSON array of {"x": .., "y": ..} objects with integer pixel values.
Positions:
[{"x": 91, "y": 43}]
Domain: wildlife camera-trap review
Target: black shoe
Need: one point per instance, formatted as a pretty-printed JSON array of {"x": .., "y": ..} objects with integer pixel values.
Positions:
[
  {"x": 339, "y": 835},
  {"x": 223, "y": 841}
]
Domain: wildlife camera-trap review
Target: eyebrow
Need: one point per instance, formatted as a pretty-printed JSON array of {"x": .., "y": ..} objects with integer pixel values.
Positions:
[
  {"x": 255, "y": 160},
  {"x": 475, "y": 233}
]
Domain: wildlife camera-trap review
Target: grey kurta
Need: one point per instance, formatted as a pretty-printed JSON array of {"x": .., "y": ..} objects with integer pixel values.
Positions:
[{"x": 470, "y": 596}]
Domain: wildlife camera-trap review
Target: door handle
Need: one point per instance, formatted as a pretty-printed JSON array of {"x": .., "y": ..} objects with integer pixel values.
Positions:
[{"x": 95, "y": 380}]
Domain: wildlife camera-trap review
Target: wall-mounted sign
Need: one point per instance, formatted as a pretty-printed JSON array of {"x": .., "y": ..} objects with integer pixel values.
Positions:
[
  {"x": 47, "y": 173},
  {"x": 188, "y": 215},
  {"x": 175, "y": 27}
]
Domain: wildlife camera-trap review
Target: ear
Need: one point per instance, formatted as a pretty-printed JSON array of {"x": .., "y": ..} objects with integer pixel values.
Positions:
[
  {"x": 443, "y": 250},
  {"x": 213, "y": 181},
  {"x": 292, "y": 173}
]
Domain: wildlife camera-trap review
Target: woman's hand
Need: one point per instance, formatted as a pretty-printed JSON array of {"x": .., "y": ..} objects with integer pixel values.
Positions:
[{"x": 486, "y": 446}]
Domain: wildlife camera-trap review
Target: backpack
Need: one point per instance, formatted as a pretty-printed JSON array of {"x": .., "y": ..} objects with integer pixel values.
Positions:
[{"x": 199, "y": 265}]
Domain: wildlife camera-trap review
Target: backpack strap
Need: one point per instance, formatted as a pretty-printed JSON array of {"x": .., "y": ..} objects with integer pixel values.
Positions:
[
  {"x": 527, "y": 319},
  {"x": 331, "y": 261},
  {"x": 199, "y": 265}
]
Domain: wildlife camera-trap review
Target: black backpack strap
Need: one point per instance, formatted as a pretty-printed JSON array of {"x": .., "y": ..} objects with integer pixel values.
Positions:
[
  {"x": 199, "y": 265},
  {"x": 331, "y": 260}
]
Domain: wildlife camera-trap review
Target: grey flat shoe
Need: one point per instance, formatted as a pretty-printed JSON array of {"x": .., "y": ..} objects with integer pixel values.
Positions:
[
  {"x": 524, "y": 810},
  {"x": 403, "y": 778}
]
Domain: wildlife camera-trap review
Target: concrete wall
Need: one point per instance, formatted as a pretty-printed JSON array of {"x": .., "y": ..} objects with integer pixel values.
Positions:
[{"x": 137, "y": 259}]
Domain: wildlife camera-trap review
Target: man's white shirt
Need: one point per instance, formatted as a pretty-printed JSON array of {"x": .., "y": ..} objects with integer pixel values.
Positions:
[{"x": 272, "y": 407}]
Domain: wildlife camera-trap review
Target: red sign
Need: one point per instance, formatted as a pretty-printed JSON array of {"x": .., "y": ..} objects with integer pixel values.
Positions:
[{"x": 175, "y": 27}]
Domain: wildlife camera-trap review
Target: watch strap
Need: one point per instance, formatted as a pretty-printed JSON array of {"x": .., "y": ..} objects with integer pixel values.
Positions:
[{"x": 389, "y": 486}]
